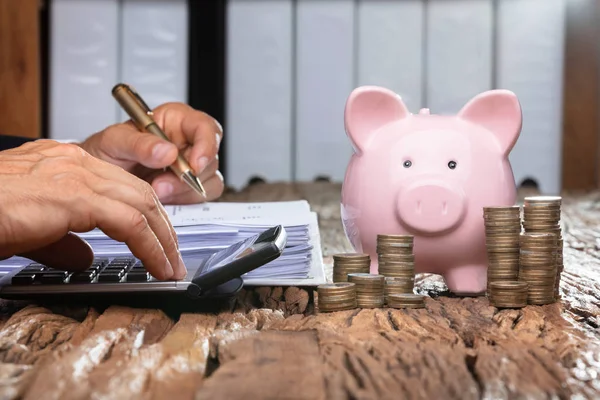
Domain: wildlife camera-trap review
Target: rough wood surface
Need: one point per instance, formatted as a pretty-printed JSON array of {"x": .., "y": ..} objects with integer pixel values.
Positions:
[{"x": 272, "y": 345}]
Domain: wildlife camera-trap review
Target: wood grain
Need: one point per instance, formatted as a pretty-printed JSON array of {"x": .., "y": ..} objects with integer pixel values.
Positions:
[
  {"x": 20, "y": 91},
  {"x": 272, "y": 344},
  {"x": 581, "y": 130}
]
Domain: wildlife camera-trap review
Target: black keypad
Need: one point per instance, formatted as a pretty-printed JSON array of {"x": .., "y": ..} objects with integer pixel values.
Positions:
[{"x": 102, "y": 270}]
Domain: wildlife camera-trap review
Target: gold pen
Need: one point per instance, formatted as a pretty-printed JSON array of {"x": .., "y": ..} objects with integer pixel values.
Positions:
[{"x": 141, "y": 115}]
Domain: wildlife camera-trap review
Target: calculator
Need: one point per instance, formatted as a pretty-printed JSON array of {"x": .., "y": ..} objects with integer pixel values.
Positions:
[{"x": 218, "y": 274}]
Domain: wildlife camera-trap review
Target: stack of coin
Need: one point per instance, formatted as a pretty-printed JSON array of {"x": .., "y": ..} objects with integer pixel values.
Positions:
[
  {"x": 508, "y": 294},
  {"x": 369, "y": 290},
  {"x": 502, "y": 229},
  {"x": 398, "y": 286},
  {"x": 541, "y": 214},
  {"x": 406, "y": 301},
  {"x": 538, "y": 266},
  {"x": 336, "y": 297},
  {"x": 396, "y": 258},
  {"x": 349, "y": 263}
]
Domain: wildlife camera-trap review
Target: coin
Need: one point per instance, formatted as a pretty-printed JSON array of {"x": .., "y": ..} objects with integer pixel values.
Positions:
[
  {"x": 537, "y": 266},
  {"x": 336, "y": 297},
  {"x": 396, "y": 258},
  {"x": 508, "y": 294},
  {"x": 542, "y": 214},
  {"x": 349, "y": 263},
  {"x": 502, "y": 229},
  {"x": 369, "y": 289},
  {"x": 398, "y": 285},
  {"x": 405, "y": 301}
]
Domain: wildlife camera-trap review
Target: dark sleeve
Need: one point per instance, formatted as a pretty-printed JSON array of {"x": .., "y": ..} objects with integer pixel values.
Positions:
[{"x": 10, "y": 142}]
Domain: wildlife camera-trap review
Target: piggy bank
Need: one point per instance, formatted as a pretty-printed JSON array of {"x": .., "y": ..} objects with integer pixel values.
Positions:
[{"x": 429, "y": 176}]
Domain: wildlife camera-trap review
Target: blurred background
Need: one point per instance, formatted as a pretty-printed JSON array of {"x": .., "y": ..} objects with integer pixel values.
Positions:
[{"x": 277, "y": 73}]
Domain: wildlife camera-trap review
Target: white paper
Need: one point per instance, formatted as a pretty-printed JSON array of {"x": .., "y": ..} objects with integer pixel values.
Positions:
[
  {"x": 207, "y": 228},
  {"x": 228, "y": 212}
]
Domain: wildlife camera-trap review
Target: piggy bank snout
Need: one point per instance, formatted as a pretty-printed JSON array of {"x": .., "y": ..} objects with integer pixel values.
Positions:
[{"x": 431, "y": 207}]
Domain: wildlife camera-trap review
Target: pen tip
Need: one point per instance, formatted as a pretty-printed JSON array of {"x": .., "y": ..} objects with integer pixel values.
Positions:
[{"x": 194, "y": 183}]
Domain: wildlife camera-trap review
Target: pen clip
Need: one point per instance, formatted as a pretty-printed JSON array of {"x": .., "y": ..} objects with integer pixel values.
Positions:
[{"x": 137, "y": 98}]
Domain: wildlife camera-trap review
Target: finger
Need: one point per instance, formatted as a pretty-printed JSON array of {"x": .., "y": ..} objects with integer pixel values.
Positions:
[
  {"x": 124, "y": 223},
  {"x": 166, "y": 185},
  {"x": 71, "y": 253},
  {"x": 199, "y": 129},
  {"x": 114, "y": 183},
  {"x": 125, "y": 142},
  {"x": 214, "y": 188},
  {"x": 210, "y": 170},
  {"x": 155, "y": 215}
]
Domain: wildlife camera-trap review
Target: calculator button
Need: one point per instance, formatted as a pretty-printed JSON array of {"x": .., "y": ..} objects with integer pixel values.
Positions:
[
  {"x": 34, "y": 268},
  {"x": 114, "y": 268},
  {"x": 122, "y": 259},
  {"x": 54, "y": 277},
  {"x": 137, "y": 276},
  {"x": 110, "y": 277},
  {"x": 120, "y": 263},
  {"x": 23, "y": 279},
  {"x": 82, "y": 277}
]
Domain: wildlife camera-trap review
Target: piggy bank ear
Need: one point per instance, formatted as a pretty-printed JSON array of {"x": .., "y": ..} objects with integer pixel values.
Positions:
[
  {"x": 499, "y": 112},
  {"x": 369, "y": 108}
]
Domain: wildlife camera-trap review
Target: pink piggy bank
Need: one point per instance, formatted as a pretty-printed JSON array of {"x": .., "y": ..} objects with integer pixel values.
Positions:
[{"x": 429, "y": 176}]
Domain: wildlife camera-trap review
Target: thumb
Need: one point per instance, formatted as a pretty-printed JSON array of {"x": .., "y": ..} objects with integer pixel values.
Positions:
[{"x": 71, "y": 253}]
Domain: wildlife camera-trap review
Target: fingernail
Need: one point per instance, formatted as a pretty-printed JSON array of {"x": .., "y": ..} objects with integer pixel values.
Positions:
[
  {"x": 163, "y": 189},
  {"x": 168, "y": 270},
  {"x": 160, "y": 151},
  {"x": 218, "y": 141},
  {"x": 182, "y": 270},
  {"x": 202, "y": 163}
]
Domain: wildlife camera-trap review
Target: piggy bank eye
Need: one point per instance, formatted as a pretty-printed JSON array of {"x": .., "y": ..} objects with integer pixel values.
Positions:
[
  {"x": 452, "y": 164},
  {"x": 407, "y": 164}
]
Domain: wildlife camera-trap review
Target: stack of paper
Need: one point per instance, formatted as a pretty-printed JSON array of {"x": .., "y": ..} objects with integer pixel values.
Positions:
[{"x": 207, "y": 228}]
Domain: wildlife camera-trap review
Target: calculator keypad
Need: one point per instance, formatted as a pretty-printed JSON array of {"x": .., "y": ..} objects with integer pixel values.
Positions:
[{"x": 119, "y": 269}]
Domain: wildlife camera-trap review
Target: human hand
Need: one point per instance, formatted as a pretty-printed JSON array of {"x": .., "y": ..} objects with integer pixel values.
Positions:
[
  {"x": 145, "y": 155},
  {"x": 48, "y": 189}
]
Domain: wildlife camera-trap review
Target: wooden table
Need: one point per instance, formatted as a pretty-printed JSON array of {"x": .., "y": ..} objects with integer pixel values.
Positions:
[{"x": 271, "y": 345}]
